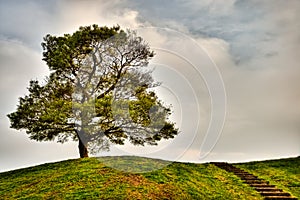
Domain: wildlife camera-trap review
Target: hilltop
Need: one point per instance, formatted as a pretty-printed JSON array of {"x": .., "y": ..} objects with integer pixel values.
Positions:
[{"x": 92, "y": 178}]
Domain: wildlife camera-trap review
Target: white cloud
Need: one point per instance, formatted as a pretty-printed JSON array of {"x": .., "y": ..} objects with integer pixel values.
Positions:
[
  {"x": 18, "y": 65},
  {"x": 73, "y": 14},
  {"x": 30, "y": 22}
]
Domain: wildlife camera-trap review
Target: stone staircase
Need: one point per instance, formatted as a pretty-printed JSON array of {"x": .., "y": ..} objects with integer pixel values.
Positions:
[{"x": 269, "y": 192}]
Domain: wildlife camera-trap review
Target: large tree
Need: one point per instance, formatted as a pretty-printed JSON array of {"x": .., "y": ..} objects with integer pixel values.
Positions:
[{"x": 99, "y": 92}]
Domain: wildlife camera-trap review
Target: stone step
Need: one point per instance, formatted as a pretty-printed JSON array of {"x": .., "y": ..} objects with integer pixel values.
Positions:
[
  {"x": 255, "y": 181},
  {"x": 264, "y": 185},
  {"x": 244, "y": 174},
  {"x": 231, "y": 170},
  {"x": 280, "y": 198},
  {"x": 261, "y": 186},
  {"x": 249, "y": 178},
  {"x": 267, "y": 189},
  {"x": 236, "y": 171},
  {"x": 275, "y": 194}
]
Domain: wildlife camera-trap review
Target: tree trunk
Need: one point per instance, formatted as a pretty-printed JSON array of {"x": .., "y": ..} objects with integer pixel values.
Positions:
[{"x": 82, "y": 149}]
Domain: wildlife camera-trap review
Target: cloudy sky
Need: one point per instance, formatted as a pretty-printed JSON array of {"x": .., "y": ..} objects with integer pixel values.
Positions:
[{"x": 229, "y": 68}]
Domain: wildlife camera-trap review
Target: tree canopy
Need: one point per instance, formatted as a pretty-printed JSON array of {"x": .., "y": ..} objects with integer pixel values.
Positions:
[{"x": 99, "y": 92}]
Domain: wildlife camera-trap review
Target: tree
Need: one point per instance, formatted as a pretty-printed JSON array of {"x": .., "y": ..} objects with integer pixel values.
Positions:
[{"x": 99, "y": 92}]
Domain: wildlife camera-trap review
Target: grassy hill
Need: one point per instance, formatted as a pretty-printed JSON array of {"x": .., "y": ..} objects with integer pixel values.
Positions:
[{"x": 93, "y": 178}]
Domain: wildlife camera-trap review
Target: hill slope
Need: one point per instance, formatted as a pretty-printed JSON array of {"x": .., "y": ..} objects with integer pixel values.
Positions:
[
  {"x": 90, "y": 178},
  {"x": 284, "y": 173}
]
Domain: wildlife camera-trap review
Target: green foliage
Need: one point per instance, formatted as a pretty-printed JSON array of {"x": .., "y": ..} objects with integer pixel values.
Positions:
[
  {"x": 99, "y": 91},
  {"x": 44, "y": 112},
  {"x": 61, "y": 53},
  {"x": 91, "y": 178}
]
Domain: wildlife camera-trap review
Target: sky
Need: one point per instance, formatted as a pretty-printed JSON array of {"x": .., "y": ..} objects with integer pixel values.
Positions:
[{"x": 229, "y": 68}]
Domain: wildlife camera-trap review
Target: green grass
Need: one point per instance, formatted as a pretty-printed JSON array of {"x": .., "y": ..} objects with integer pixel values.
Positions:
[
  {"x": 284, "y": 173},
  {"x": 106, "y": 178}
]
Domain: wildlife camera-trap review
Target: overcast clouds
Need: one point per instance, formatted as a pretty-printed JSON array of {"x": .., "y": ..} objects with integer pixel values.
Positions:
[{"x": 255, "y": 45}]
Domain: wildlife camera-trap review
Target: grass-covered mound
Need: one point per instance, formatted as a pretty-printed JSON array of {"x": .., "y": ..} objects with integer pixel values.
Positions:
[{"x": 103, "y": 178}]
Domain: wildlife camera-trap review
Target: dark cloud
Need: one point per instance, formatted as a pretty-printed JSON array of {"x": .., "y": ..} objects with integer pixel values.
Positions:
[
  {"x": 244, "y": 24},
  {"x": 27, "y": 22}
]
